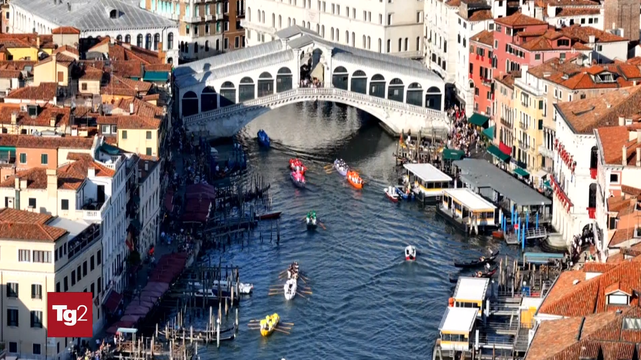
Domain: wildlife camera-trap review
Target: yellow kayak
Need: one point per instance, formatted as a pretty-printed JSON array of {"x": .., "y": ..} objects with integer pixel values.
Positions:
[{"x": 268, "y": 324}]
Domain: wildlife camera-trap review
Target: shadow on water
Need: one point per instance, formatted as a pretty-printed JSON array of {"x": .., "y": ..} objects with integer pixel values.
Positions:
[{"x": 367, "y": 302}]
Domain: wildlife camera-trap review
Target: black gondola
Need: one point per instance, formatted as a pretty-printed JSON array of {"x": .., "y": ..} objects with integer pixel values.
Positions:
[
  {"x": 478, "y": 274},
  {"x": 479, "y": 262}
]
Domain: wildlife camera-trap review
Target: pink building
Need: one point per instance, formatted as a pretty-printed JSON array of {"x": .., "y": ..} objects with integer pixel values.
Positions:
[
  {"x": 482, "y": 65},
  {"x": 507, "y": 38}
]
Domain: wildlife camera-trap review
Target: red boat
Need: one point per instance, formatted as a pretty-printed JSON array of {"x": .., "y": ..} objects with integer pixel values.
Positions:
[
  {"x": 391, "y": 194},
  {"x": 298, "y": 179},
  {"x": 297, "y": 165}
]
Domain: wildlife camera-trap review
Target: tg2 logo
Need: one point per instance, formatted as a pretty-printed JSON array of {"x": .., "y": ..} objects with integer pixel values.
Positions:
[{"x": 69, "y": 314}]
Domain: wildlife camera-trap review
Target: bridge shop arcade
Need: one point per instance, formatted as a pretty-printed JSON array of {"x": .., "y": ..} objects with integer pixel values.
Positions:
[{"x": 218, "y": 96}]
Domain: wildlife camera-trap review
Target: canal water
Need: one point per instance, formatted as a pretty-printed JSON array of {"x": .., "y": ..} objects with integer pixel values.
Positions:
[{"x": 367, "y": 302}]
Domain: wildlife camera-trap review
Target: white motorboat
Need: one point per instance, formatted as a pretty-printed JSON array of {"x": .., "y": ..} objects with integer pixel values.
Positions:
[
  {"x": 410, "y": 253},
  {"x": 290, "y": 288},
  {"x": 243, "y": 288},
  {"x": 391, "y": 194}
]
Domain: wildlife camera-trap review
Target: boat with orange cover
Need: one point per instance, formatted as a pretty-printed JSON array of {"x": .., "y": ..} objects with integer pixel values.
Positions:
[
  {"x": 297, "y": 165},
  {"x": 354, "y": 179}
]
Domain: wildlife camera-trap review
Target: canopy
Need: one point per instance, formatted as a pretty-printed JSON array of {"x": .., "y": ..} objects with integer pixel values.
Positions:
[
  {"x": 156, "y": 286},
  {"x": 478, "y": 119},
  {"x": 453, "y": 154},
  {"x": 113, "y": 300},
  {"x": 137, "y": 309},
  {"x": 143, "y": 300},
  {"x": 120, "y": 324},
  {"x": 152, "y": 294},
  {"x": 201, "y": 190},
  {"x": 497, "y": 153},
  {"x": 169, "y": 201},
  {"x": 133, "y": 318},
  {"x": 489, "y": 132},
  {"x": 521, "y": 172}
]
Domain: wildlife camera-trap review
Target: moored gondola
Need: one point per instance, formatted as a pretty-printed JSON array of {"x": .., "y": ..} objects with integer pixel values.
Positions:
[
  {"x": 478, "y": 262},
  {"x": 478, "y": 274}
]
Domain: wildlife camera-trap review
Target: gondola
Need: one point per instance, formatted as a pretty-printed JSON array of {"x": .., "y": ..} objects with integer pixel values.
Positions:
[
  {"x": 478, "y": 274},
  {"x": 269, "y": 216},
  {"x": 263, "y": 139},
  {"x": 478, "y": 262}
]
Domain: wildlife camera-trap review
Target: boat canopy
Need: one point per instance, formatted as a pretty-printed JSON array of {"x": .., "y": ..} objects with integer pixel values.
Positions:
[
  {"x": 469, "y": 199},
  {"x": 127, "y": 330},
  {"x": 427, "y": 173}
]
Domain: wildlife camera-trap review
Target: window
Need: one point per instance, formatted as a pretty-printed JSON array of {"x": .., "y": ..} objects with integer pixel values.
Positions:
[
  {"x": 419, "y": 17},
  {"x": 537, "y": 56},
  {"x": 148, "y": 151},
  {"x": 12, "y": 317},
  {"x": 12, "y": 290},
  {"x": 124, "y": 134},
  {"x": 36, "y": 348},
  {"x": 93, "y": 290},
  {"x": 58, "y": 286},
  {"x": 78, "y": 273},
  {"x": 84, "y": 86},
  {"x": 614, "y": 178},
  {"x": 44, "y": 159},
  {"x": 24, "y": 255},
  {"x": 99, "y": 257},
  {"x": 390, "y": 18},
  {"x": 42, "y": 256},
  {"x": 618, "y": 299},
  {"x": 36, "y": 291},
  {"x": 64, "y": 204},
  {"x": 148, "y": 135},
  {"x": 23, "y": 158},
  {"x": 61, "y": 76},
  {"x": 66, "y": 284},
  {"x": 73, "y": 278},
  {"x": 13, "y": 346},
  {"x": 84, "y": 268},
  {"x": 32, "y": 203},
  {"x": 36, "y": 322},
  {"x": 92, "y": 263}
]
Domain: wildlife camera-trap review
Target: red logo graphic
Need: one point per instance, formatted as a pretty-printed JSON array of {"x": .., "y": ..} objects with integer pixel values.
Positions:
[{"x": 69, "y": 314}]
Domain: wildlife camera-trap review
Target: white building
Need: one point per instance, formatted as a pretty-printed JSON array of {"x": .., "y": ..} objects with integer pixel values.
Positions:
[
  {"x": 97, "y": 18},
  {"x": 389, "y": 26},
  {"x": 440, "y": 50},
  {"x": 149, "y": 209},
  {"x": 566, "y": 13}
]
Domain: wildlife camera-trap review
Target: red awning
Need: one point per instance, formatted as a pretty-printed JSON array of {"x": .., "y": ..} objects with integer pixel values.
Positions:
[
  {"x": 505, "y": 149},
  {"x": 113, "y": 300}
]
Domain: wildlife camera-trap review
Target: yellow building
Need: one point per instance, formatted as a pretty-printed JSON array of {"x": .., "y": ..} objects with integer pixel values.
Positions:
[
  {"x": 135, "y": 133},
  {"x": 27, "y": 46},
  {"x": 54, "y": 69},
  {"x": 504, "y": 104},
  {"x": 530, "y": 111},
  {"x": 41, "y": 254}
]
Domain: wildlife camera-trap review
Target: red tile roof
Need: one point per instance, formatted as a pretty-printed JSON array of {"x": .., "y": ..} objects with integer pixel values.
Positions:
[
  {"x": 46, "y": 142},
  {"x": 92, "y": 74},
  {"x": 67, "y": 48},
  {"x": 129, "y": 122},
  {"x": 125, "y": 87},
  {"x": 25, "y": 225},
  {"x": 43, "y": 119},
  {"x": 44, "y": 91},
  {"x": 141, "y": 107},
  {"x": 583, "y": 33},
  {"x": 65, "y": 30},
  {"x": 518, "y": 20},
  {"x": 80, "y": 165},
  {"x": 10, "y": 74},
  {"x": 27, "y": 41},
  {"x": 484, "y": 37},
  {"x": 572, "y": 11}
]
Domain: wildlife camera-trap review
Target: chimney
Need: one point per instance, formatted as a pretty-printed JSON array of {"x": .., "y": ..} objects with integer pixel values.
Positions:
[
  {"x": 14, "y": 118},
  {"x": 591, "y": 39},
  {"x": 23, "y": 184},
  {"x": 131, "y": 108},
  {"x": 638, "y": 136},
  {"x": 91, "y": 172},
  {"x": 74, "y": 130},
  {"x": 52, "y": 182},
  {"x": 38, "y": 41},
  {"x": 17, "y": 183},
  {"x": 638, "y": 157},
  {"x": 147, "y": 164},
  {"x": 624, "y": 158},
  {"x": 142, "y": 70},
  {"x": 52, "y": 121}
]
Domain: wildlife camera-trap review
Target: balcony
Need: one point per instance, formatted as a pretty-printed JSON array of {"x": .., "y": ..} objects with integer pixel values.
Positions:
[
  {"x": 209, "y": 17},
  {"x": 546, "y": 152},
  {"x": 522, "y": 125},
  {"x": 592, "y": 212},
  {"x": 219, "y": 16},
  {"x": 240, "y": 13},
  {"x": 486, "y": 82},
  {"x": 523, "y": 145},
  {"x": 83, "y": 240},
  {"x": 593, "y": 172},
  {"x": 192, "y": 19},
  {"x": 94, "y": 211},
  {"x": 174, "y": 17},
  {"x": 506, "y": 123}
]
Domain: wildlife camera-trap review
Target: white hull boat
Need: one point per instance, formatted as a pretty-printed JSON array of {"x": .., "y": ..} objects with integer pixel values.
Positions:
[
  {"x": 243, "y": 288},
  {"x": 290, "y": 288},
  {"x": 410, "y": 253}
]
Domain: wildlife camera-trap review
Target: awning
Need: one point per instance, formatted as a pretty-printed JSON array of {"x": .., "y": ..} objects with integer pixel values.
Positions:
[
  {"x": 540, "y": 174},
  {"x": 507, "y": 150},
  {"x": 478, "y": 119},
  {"x": 489, "y": 132},
  {"x": 497, "y": 153},
  {"x": 113, "y": 300},
  {"x": 547, "y": 184},
  {"x": 156, "y": 76},
  {"x": 520, "y": 172},
  {"x": 453, "y": 154}
]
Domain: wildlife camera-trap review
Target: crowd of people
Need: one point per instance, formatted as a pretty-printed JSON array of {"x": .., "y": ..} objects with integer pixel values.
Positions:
[{"x": 463, "y": 135}]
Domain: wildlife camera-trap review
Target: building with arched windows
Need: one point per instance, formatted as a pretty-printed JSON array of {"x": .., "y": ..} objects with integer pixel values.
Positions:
[{"x": 97, "y": 18}]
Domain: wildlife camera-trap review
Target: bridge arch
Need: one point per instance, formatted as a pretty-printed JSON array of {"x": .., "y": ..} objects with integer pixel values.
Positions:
[
  {"x": 433, "y": 98},
  {"x": 189, "y": 103},
  {"x": 340, "y": 78},
  {"x": 359, "y": 82},
  {"x": 284, "y": 79},
  {"x": 246, "y": 89},
  {"x": 227, "y": 94},
  {"x": 265, "y": 84},
  {"x": 396, "y": 90},
  {"x": 208, "y": 99},
  {"x": 415, "y": 94},
  {"x": 377, "y": 86}
]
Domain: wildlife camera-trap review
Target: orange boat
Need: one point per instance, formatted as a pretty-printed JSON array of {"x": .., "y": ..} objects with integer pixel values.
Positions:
[{"x": 354, "y": 179}]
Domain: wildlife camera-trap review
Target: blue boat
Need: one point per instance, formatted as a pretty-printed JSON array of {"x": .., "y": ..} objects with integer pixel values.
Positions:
[
  {"x": 403, "y": 194},
  {"x": 263, "y": 139}
]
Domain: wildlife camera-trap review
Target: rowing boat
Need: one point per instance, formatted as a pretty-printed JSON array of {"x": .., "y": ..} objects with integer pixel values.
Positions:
[
  {"x": 290, "y": 288},
  {"x": 311, "y": 221},
  {"x": 297, "y": 165},
  {"x": 269, "y": 216},
  {"x": 478, "y": 274},
  {"x": 354, "y": 179},
  {"x": 341, "y": 167},
  {"x": 298, "y": 179},
  {"x": 410, "y": 253},
  {"x": 480, "y": 262},
  {"x": 269, "y": 324}
]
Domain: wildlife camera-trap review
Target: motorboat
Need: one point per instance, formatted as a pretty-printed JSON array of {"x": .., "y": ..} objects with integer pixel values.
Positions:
[
  {"x": 391, "y": 194},
  {"x": 410, "y": 253},
  {"x": 354, "y": 179},
  {"x": 263, "y": 139},
  {"x": 341, "y": 167},
  {"x": 290, "y": 287},
  {"x": 405, "y": 195},
  {"x": 298, "y": 178},
  {"x": 297, "y": 165},
  {"x": 311, "y": 220},
  {"x": 243, "y": 288}
]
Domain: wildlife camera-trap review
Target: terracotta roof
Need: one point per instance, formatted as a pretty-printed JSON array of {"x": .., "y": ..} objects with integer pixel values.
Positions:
[
  {"x": 453, "y": 3},
  {"x": 125, "y": 87},
  {"x": 8, "y": 140},
  {"x": 61, "y": 59},
  {"x": 577, "y": 11},
  {"x": 80, "y": 165},
  {"x": 141, "y": 107},
  {"x": 92, "y": 74},
  {"x": 27, "y": 41},
  {"x": 10, "y": 74},
  {"x": 46, "y": 142},
  {"x": 36, "y": 179},
  {"x": 102, "y": 42},
  {"x": 67, "y": 48},
  {"x": 16, "y": 64},
  {"x": 518, "y": 20},
  {"x": 508, "y": 79},
  {"x": 583, "y": 33},
  {"x": 46, "y": 113},
  {"x": 65, "y": 30},
  {"x": 151, "y": 97},
  {"x": 635, "y": 60},
  {"x": 480, "y": 15},
  {"x": 612, "y": 140},
  {"x": 25, "y": 225},
  {"x": 130, "y": 122},
  {"x": 484, "y": 37},
  {"x": 44, "y": 91},
  {"x": 587, "y": 114}
]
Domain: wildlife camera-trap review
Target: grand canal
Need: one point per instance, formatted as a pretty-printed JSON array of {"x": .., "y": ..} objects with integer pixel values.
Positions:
[{"x": 367, "y": 302}]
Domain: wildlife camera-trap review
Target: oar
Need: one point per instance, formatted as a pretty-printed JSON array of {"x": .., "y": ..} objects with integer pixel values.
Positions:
[
  {"x": 283, "y": 331},
  {"x": 287, "y": 323},
  {"x": 254, "y": 320},
  {"x": 328, "y": 166},
  {"x": 284, "y": 327},
  {"x": 301, "y": 295},
  {"x": 322, "y": 225},
  {"x": 306, "y": 292}
]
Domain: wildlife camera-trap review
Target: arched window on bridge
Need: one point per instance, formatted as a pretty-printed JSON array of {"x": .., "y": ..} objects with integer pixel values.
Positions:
[
  {"x": 433, "y": 98},
  {"x": 377, "y": 86},
  {"x": 246, "y": 89},
  {"x": 283, "y": 79},
  {"x": 190, "y": 104},
  {"x": 208, "y": 99},
  {"x": 359, "y": 82},
  {"x": 227, "y": 94},
  {"x": 414, "y": 94},
  {"x": 396, "y": 90},
  {"x": 340, "y": 78},
  {"x": 265, "y": 84}
]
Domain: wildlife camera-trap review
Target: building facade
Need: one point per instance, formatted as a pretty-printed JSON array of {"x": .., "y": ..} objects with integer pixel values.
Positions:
[
  {"x": 482, "y": 65},
  {"x": 394, "y": 27}
]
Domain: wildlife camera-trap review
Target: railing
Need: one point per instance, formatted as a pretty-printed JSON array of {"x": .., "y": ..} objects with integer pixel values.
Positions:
[
  {"x": 522, "y": 145},
  {"x": 409, "y": 54},
  {"x": 192, "y": 19},
  {"x": 522, "y": 125},
  {"x": 546, "y": 152},
  {"x": 506, "y": 123},
  {"x": 254, "y": 26},
  {"x": 270, "y": 100},
  {"x": 83, "y": 240},
  {"x": 96, "y": 215}
]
